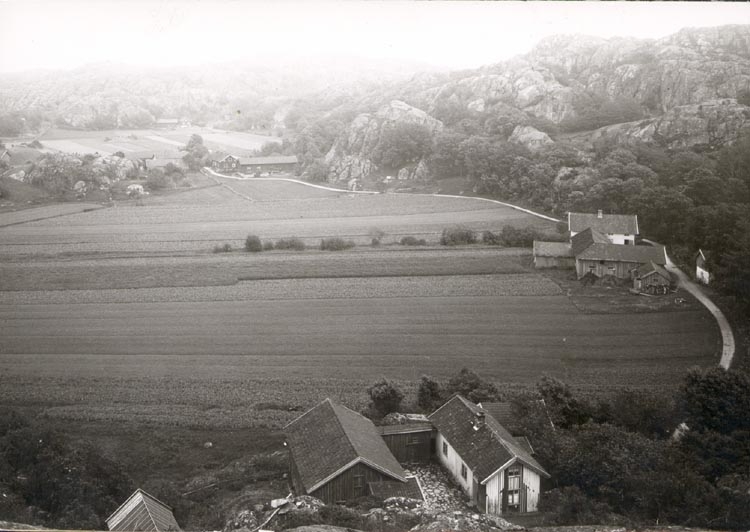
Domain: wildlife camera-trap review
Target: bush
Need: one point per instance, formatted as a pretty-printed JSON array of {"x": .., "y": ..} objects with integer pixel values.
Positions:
[
  {"x": 222, "y": 248},
  {"x": 514, "y": 237},
  {"x": 428, "y": 394},
  {"x": 456, "y": 236},
  {"x": 268, "y": 245},
  {"x": 413, "y": 241},
  {"x": 253, "y": 244},
  {"x": 570, "y": 506},
  {"x": 335, "y": 244},
  {"x": 491, "y": 239},
  {"x": 376, "y": 235},
  {"x": 158, "y": 180},
  {"x": 385, "y": 397},
  {"x": 290, "y": 243}
]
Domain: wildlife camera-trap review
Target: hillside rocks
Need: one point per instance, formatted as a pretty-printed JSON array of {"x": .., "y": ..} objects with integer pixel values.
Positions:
[
  {"x": 709, "y": 124},
  {"x": 530, "y": 137},
  {"x": 351, "y": 155}
]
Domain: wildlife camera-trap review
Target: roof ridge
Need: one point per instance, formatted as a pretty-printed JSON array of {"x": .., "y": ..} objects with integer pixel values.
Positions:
[
  {"x": 148, "y": 511},
  {"x": 292, "y": 422}
]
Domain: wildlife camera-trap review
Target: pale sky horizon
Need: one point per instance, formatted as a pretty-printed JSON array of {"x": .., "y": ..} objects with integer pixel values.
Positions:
[{"x": 66, "y": 34}]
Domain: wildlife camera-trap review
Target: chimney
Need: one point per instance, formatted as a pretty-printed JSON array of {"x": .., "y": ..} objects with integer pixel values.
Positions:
[
  {"x": 599, "y": 214},
  {"x": 479, "y": 421}
]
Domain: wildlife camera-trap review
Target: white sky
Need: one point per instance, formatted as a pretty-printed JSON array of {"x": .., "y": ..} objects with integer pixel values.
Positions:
[{"x": 66, "y": 34}]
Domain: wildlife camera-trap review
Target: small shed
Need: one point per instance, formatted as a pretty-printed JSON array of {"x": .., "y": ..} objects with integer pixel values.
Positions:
[
  {"x": 410, "y": 443},
  {"x": 702, "y": 275},
  {"x": 553, "y": 255},
  {"x": 652, "y": 279},
  {"x": 142, "y": 513}
]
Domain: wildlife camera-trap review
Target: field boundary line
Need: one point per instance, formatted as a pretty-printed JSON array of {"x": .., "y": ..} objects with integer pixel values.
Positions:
[
  {"x": 322, "y": 187},
  {"x": 87, "y": 209}
]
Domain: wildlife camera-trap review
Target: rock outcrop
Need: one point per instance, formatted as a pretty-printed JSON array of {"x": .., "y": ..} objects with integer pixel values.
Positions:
[
  {"x": 351, "y": 155},
  {"x": 530, "y": 137}
]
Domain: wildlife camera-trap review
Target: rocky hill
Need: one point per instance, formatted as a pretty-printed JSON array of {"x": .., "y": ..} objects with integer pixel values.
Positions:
[{"x": 691, "y": 88}]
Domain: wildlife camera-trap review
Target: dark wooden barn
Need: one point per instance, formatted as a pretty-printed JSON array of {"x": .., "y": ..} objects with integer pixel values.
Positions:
[
  {"x": 274, "y": 163},
  {"x": 410, "y": 443},
  {"x": 652, "y": 279},
  {"x": 335, "y": 453},
  {"x": 229, "y": 163}
]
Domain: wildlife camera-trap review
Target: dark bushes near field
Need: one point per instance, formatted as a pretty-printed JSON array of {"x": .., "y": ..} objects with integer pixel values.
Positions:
[
  {"x": 253, "y": 244},
  {"x": 268, "y": 245},
  {"x": 413, "y": 241},
  {"x": 457, "y": 236},
  {"x": 293, "y": 243},
  {"x": 222, "y": 248},
  {"x": 335, "y": 244}
]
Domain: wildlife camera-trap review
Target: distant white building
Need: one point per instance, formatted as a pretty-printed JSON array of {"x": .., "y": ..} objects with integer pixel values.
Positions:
[
  {"x": 702, "y": 274},
  {"x": 619, "y": 228}
]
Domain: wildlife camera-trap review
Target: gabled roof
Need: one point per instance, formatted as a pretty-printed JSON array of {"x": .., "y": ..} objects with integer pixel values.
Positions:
[
  {"x": 622, "y": 253},
  {"x": 552, "y": 249},
  {"x": 142, "y": 512},
  {"x": 275, "y": 159},
  {"x": 626, "y": 224},
  {"x": 585, "y": 238},
  {"x": 502, "y": 412},
  {"x": 484, "y": 448},
  {"x": 328, "y": 439},
  {"x": 651, "y": 268}
]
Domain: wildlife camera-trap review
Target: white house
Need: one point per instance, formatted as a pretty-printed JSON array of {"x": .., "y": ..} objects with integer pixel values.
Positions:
[
  {"x": 497, "y": 473},
  {"x": 702, "y": 274},
  {"x": 619, "y": 228}
]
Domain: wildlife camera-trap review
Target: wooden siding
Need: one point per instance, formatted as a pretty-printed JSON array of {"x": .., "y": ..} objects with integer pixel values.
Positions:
[
  {"x": 600, "y": 268},
  {"x": 555, "y": 262},
  {"x": 453, "y": 462},
  {"x": 350, "y": 484},
  {"x": 494, "y": 495},
  {"x": 496, "y": 501},
  {"x": 532, "y": 483},
  {"x": 410, "y": 448},
  {"x": 702, "y": 275},
  {"x": 260, "y": 168}
]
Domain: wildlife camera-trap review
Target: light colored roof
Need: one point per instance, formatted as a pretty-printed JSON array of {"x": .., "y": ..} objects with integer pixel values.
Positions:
[
  {"x": 623, "y": 253},
  {"x": 275, "y": 159},
  {"x": 329, "y": 438},
  {"x": 552, "y": 249},
  {"x": 484, "y": 448},
  {"x": 142, "y": 512},
  {"x": 621, "y": 224}
]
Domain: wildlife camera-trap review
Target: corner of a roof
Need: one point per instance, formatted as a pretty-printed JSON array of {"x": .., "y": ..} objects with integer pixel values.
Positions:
[{"x": 295, "y": 420}]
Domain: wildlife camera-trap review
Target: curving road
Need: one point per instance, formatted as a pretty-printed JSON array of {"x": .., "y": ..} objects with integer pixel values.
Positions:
[{"x": 727, "y": 337}]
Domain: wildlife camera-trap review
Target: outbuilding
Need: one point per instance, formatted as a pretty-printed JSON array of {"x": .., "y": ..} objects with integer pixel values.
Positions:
[
  {"x": 142, "y": 513},
  {"x": 702, "y": 274}
]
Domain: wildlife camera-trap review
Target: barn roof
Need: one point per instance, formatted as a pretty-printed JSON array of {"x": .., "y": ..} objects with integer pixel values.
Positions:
[
  {"x": 274, "y": 159},
  {"x": 552, "y": 249},
  {"x": 622, "y": 253},
  {"x": 385, "y": 490},
  {"x": 485, "y": 448},
  {"x": 651, "y": 268},
  {"x": 329, "y": 438},
  {"x": 142, "y": 512},
  {"x": 608, "y": 223},
  {"x": 586, "y": 238}
]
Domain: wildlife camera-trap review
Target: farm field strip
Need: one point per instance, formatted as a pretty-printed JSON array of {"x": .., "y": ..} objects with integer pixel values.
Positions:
[{"x": 43, "y": 213}]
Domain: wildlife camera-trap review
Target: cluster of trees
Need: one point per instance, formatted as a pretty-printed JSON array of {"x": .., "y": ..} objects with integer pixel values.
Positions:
[
  {"x": 50, "y": 479},
  {"x": 196, "y": 154},
  {"x": 617, "y": 459}
]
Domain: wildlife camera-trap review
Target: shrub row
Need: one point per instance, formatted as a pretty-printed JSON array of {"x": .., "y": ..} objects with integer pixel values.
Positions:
[
  {"x": 254, "y": 244},
  {"x": 335, "y": 244},
  {"x": 413, "y": 241}
]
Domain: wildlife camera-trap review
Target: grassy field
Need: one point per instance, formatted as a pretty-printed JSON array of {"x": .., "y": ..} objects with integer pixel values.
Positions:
[
  {"x": 155, "y": 140},
  {"x": 124, "y": 314}
]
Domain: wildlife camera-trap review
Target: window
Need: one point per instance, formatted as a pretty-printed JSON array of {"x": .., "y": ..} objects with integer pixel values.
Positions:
[
  {"x": 514, "y": 487},
  {"x": 445, "y": 449},
  {"x": 412, "y": 440},
  {"x": 464, "y": 471},
  {"x": 359, "y": 481}
]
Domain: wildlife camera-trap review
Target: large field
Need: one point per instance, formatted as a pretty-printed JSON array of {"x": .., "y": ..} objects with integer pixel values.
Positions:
[
  {"x": 150, "y": 140},
  {"x": 124, "y": 314}
]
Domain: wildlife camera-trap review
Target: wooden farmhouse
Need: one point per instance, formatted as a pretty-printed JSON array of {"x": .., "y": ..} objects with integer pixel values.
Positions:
[
  {"x": 410, "y": 443},
  {"x": 602, "y": 259},
  {"x": 652, "y": 279},
  {"x": 255, "y": 165},
  {"x": 142, "y": 512},
  {"x": 336, "y": 455},
  {"x": 497, "y": 474},
  {"x": 619, "y": 228},
  {"x": 702, "y": 275}
]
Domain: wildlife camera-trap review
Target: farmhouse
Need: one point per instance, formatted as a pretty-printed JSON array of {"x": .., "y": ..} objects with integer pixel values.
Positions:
[
  {"x": 484, "y": 459},
  {"x": 142, "y": 512},
  {"x": 651, "y": 278},
  {"x": 602, "y": 259},
  {"x": 335, "y": 454},
  {"x": 702, "y": 274},
  {"x": 255, "y": 165},
  {"x": 619, "y": 228}
]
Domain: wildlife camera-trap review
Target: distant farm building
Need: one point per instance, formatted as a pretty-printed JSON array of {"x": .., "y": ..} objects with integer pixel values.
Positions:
[
  {"x": 142, "y": 512},
  {"x": 617, "y": 260},
  {"x": 619, "y": 228},
  {"x": 166, "y": 123},
  {"x": 702, "y": 274},
  {"x": 335, "y": 454},
  {"x": 553, "y": 255},
  {"x": 652, "y": 279},
  {"x": 255, "y": 165},
  {"x": 498, "y": 474}
]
